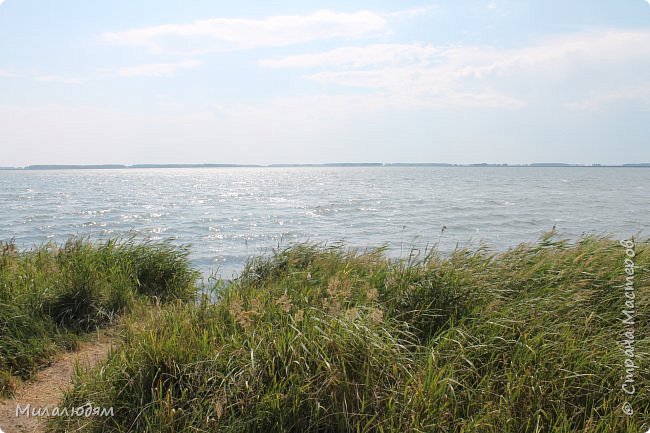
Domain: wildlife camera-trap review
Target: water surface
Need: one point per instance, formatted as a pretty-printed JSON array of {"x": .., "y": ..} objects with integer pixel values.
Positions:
[{"x": 228, "y": 214}]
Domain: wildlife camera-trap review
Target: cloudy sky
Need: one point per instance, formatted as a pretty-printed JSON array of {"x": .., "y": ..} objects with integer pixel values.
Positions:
[{"x": 304, "y": 81}]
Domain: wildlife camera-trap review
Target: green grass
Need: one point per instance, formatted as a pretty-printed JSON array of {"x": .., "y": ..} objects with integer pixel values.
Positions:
[
  {"x": 51, "y": 295},
  {"x": 315, "y": 339}
]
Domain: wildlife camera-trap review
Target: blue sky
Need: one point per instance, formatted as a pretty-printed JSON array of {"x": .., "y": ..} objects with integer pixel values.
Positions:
[{"x": 305, "y": 81}]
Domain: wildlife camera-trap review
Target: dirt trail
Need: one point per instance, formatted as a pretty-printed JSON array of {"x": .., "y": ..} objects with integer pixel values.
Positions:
[{"x": 46, "y": 389}]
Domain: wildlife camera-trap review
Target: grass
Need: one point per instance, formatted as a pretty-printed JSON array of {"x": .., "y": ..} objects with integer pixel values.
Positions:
[
  {"x": 51, "y": 295},
  {"x": 322, "y": 339}
]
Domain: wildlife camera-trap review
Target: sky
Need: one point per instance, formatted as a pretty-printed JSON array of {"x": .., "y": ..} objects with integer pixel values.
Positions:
[{"x": 258, "y": 82}]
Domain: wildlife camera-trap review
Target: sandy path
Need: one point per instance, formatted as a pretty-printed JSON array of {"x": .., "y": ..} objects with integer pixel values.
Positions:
[{"x": 46, "y": 389}]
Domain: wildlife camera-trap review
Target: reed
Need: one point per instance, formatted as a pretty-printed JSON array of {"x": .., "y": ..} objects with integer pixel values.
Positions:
[
  {"x": 323, "y": 339},
  {"x": 52, "y": 295}
]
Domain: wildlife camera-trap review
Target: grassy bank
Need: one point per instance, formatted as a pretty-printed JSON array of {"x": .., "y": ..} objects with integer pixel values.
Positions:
[
  {"x": 50, "y": 296},
  {"x": 325, "y": 340}
]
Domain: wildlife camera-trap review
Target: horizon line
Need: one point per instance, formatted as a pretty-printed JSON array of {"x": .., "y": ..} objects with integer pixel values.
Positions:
[{"x": 326, "y": 164}]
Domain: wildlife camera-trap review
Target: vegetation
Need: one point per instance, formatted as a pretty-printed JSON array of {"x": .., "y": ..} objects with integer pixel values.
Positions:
[
  {"x": 51, "y": 295},
  {"x": 316, "y": 339}
]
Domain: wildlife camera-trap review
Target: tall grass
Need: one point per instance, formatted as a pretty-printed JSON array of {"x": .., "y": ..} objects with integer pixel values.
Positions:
[
  {"x": 50, "y": 295},
  {"x": 315, "y": 339}
]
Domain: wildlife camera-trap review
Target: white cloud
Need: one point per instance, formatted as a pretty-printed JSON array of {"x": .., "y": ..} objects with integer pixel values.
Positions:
[
  {"x": 419, "y": 87},
  {"x": 157, "y": 69},
  {"x": 416, "y": 76},
  {"x": 557, "y": 56},
  {"x": 405, "y": 75},
  {"x": 408, "y": 13},
  {"x": 358, "y": 57},
  {"x": 1, "y": 1},
  {"x": 223, "y": 34}
]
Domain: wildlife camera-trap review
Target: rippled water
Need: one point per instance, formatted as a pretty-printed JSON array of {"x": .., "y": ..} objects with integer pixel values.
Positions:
[{"x": 231, "y": 213}]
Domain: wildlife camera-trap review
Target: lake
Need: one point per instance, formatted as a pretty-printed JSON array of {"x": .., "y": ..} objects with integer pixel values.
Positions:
[{"x": 229, "y": 214}]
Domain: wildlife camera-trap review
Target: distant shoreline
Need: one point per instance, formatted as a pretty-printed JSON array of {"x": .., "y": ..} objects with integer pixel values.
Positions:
[{"x": 336, "y": 164}]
